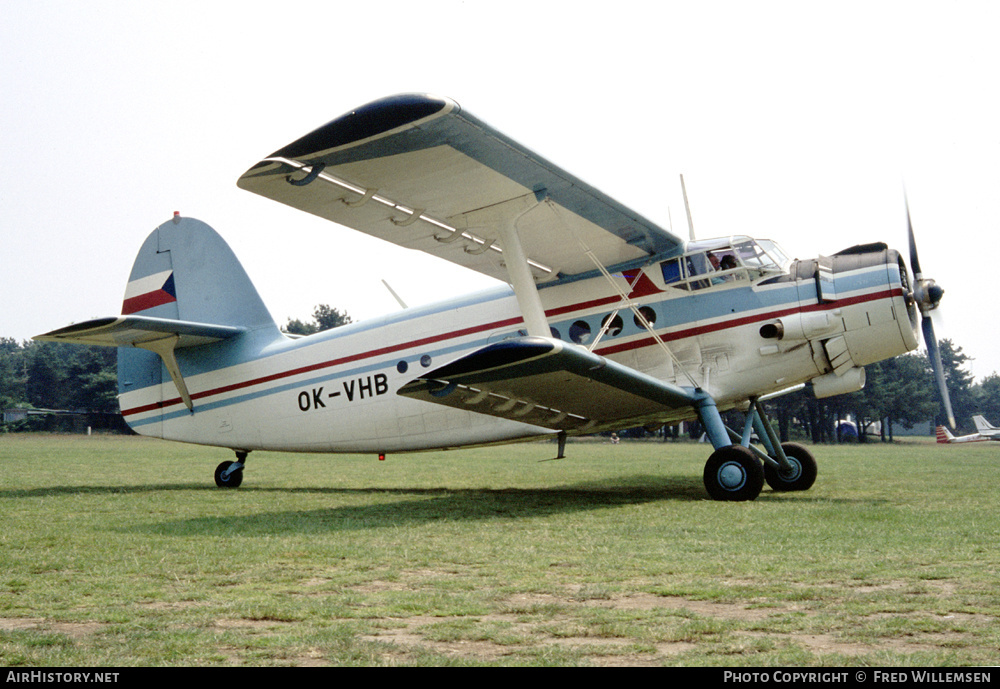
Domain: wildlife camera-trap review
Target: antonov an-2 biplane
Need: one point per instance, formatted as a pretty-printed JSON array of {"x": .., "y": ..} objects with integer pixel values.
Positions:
[{"x": 609, "y": 321}]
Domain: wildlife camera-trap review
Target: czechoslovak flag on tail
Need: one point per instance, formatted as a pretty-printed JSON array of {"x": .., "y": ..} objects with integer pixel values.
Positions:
[{"x": 150, "y": 291}]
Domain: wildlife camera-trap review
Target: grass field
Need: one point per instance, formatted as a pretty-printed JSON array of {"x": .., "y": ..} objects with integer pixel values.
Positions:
[{"x": 120, "y": 551}]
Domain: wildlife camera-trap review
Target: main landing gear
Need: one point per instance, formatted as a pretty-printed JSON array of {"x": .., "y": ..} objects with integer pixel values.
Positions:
[
  {"x": 230, "y": 474},
  {"x": 737, "y": 472},
  {"x": 733, "y": 474}
]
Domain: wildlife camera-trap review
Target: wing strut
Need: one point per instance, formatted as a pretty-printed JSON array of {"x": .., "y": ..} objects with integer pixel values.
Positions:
[
  {"x": 503, "y": 217},
  {"x": 522, "y": 281},
  {"x": 165, "y": 349}
]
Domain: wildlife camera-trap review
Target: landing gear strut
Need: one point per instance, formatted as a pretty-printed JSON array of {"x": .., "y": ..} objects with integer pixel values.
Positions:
[
  {"x": 230, "y": 474},
  {"x": 737, "y": 472}
]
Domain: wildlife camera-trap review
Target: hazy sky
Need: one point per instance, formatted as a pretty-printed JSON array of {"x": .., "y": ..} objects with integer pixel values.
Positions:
[{"x": 799, "y": 122}]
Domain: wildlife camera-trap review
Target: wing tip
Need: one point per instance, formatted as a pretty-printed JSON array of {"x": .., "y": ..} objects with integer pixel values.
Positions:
[
  {"x": 367, "y": 121},
  {"x": 70, "y": 331}
]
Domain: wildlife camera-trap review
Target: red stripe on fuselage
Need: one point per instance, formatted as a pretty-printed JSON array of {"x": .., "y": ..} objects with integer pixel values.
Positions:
[
  {"x": 746, "y": 320},
  {"x": 327, "y": 364},
  {"x": 612, "y": 349}
]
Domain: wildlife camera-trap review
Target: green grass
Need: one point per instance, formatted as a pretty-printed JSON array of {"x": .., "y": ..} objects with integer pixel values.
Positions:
[{"x": 120, "y": 551}]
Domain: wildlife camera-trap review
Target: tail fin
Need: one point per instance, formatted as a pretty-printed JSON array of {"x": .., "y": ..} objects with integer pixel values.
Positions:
[
  {"x": 189, "y": 308},
  {"x": 982, "y": 425},
  {"x": 186, "y": 272},
  {"x": 943, "y": 436}
]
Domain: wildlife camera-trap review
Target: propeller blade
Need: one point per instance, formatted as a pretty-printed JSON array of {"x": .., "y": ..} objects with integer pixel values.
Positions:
[
  {"x": 928, "y": 295},
  {"x": 914, "y": 260},
  {"x": 934, "y": 354}
]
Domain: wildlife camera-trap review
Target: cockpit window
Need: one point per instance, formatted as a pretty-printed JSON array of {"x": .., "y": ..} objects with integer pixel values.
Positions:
[
  {"x": 671, "y": 271},
  {"x": 718, "y": 261},
  {"x": 698, "y": 264},
  {"x": 763, "y": 254}
]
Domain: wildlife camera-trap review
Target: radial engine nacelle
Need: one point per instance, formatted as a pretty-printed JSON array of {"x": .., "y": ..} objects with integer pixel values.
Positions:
[{"x": 864, "y": 313}]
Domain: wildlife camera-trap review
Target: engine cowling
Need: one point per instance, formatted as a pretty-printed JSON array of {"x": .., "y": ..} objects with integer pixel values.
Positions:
[{"x": 858, "y": 310}]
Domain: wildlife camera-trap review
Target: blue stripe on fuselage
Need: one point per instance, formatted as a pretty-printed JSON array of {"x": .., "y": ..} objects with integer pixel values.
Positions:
[
  {"x": 319, "y": 379},
  {"x": 674, "y": 313}
]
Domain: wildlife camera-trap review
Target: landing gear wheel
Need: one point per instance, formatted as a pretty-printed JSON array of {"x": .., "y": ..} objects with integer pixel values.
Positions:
[
  {"x": 232, "y": 481},
  {"x": 803, "y": 473},
  {"x": 733, "y": 474}
]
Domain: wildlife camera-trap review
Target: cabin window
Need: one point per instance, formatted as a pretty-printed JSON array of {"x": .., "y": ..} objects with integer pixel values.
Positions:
[
  {"x": 648, "y": 313},
  {"x": 752, "y": 254},
  {"x": 613, "y": 323},
  {"x": 774, "y": 252},
  {"x": 579, "y": 332}
]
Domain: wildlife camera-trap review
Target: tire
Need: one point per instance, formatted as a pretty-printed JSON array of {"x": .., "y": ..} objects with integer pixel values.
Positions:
[
  {"x": 232, "y": 481},
  {"x": 804, "y": 474},
  {"x": 733, "y": 474}
]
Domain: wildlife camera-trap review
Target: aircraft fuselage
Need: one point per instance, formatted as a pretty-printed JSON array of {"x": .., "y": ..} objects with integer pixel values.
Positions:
[{"x": 755, "y": 333}]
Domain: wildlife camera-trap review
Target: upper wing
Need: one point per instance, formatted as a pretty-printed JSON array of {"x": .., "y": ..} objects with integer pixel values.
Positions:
[
  {"x": 420, "y": 172},
  {"x": 549, "y": 383}
]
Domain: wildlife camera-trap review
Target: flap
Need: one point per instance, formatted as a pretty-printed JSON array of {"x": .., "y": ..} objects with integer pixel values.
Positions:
[
  {"x": 420, "y": 172},
  {"x": 548, "y": 383}
]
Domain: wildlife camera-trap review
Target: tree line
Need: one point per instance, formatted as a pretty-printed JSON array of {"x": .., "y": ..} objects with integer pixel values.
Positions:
[
  {"x": 899, "y": 391},
  {"x": 80, "y": 379}
]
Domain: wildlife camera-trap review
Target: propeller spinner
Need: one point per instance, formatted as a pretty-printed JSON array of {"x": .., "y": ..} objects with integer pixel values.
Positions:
[{"x": 927, "y": 295}]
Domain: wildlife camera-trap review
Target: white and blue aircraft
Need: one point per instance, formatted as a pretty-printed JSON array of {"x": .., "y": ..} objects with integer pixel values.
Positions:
[{"x": 609, "y": 321}]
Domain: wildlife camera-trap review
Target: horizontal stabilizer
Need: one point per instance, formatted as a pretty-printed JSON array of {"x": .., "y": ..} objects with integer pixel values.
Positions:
[
  {"x": 160, "y": 335},
  {"x": 548, "y": 383},
  {"x": 135, "y": 331}
]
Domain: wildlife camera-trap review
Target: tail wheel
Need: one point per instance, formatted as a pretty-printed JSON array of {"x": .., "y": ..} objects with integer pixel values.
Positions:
[
  {"x": 232, "y": 480},
  {"x": 733, "y": 474},
  {"x": 803, "y": 470}
]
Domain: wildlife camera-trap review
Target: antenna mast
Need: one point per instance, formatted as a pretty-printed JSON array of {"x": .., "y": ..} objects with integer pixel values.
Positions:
[{"x": 688, "y": 209}]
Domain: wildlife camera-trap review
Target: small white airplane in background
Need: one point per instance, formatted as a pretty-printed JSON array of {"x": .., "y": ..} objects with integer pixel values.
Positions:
[
  {"x": 986, "y": 430},
  {"x": 944, "y": 436},
  {"x": 609, "y": 321}
]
